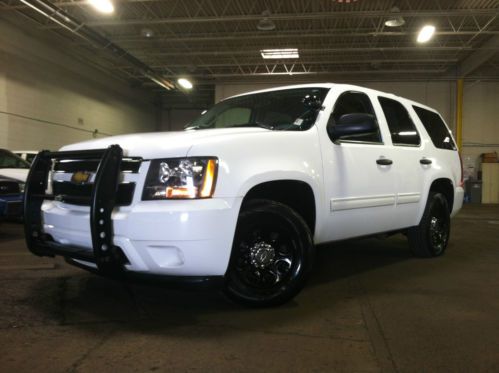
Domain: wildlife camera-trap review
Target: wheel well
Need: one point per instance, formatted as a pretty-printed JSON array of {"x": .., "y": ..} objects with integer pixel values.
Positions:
[
  {"x": 445, "y": 187},
  {"x": 296, "y": 194}
]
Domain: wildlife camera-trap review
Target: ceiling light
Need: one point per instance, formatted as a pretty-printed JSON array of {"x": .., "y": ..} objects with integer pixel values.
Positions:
[
  {"x": 185, "y": 83},
  {"x": 280, "y": 53},
  {"x": 426, "y": 33},
  {"x": 395, "y": 21},
  {"x": 266, "y": 24},
  {"x": 147, "y": 33},
  {"x": 103, "y": 6}
]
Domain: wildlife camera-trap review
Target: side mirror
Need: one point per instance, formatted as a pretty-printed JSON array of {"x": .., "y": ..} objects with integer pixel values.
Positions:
[{"x": 352, "y": 125}]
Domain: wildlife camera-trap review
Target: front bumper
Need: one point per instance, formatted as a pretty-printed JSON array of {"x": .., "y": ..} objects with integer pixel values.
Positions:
[
  {"x": 175, "y": 238},
  {"x": 165, "y": 238}
]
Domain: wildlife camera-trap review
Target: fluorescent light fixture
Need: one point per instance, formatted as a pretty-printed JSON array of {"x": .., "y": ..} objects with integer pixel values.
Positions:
[
  {"x": 278, "y": 54},
  {"x": 103, "y": 6},
  {"x": 395, "y": 20},
  {"x": 426, "y": 33},
  {"x": 185, "y": 83}
]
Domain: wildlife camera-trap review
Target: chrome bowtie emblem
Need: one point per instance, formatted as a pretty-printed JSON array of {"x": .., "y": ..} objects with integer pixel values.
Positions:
[{"x": 80, "y": 177}]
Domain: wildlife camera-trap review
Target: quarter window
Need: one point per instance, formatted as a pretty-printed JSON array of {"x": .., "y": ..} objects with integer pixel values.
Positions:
[
  {"x": 436, "y": 128},
  {"x": 354, "y": 103},
  {"x": 402, "y": 128}
]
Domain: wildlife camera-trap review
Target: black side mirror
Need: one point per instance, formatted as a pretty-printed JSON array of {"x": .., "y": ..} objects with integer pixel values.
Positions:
[
  {"x": 352, "y": 125},
  {"x": 312, "y": 102}
]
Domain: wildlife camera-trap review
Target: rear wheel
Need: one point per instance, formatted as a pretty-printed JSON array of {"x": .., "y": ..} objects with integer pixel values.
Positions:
[
  {"x": 271, "y": 256},
  {"x": 431, "y": 236}
]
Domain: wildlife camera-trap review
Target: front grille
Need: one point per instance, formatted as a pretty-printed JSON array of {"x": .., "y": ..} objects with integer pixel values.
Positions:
[
  {"x": 81, "y": 193},
  {"x": 130, "y": 165},
  {"x": 9, "y": 187}
]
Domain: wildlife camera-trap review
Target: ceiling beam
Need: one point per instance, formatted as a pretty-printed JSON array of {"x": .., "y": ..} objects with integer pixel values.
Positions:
[
  {"x": 203, "y": 37},
  {"x": 293, "y": 16},
  {"x": 486, "y": 51},
  {"x": 256, "y": 52},
  {"x": 313, "y": 62},
  {"x": 338, "y": 73},
  {"x": 68, "y": 4}
]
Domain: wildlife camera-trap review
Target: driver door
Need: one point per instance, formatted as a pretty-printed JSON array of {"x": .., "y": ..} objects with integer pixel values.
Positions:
[{"x": 359, "y": 188}]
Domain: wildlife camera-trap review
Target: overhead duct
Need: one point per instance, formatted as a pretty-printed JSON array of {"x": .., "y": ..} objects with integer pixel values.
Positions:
[{"x": 78, "y": 28}]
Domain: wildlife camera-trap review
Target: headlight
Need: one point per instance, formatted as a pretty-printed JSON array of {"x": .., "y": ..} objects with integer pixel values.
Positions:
[
  {"x": 181, "y": 178},
  {"x": 21, "y": 187}
]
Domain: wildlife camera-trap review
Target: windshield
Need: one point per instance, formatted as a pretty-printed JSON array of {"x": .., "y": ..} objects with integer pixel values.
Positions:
[
  {"x": 288, "y": 110},
  {"x": 10, "y": 160}
]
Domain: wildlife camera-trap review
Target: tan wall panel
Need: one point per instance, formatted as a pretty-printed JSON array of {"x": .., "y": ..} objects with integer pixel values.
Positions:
[{"x": 48, "y": 98}]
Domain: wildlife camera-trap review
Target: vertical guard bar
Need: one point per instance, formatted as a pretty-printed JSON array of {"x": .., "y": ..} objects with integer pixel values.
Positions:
[
  {"x": 103, "y": 201},
  {"x": 36, "y": 184}
]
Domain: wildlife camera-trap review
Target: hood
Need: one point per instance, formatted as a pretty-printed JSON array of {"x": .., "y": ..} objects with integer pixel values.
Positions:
[
  {"x": 19, "y": 174},
  {"x": 163, "y": 144}
]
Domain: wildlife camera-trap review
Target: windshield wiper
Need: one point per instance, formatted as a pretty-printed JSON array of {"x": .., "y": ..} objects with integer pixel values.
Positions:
[
  {"x": 197, "y": 127},
  {"x": 255, "y": 124}
]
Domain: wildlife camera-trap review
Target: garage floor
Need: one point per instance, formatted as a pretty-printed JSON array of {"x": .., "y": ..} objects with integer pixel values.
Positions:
[{"x": 369, "y": 306}]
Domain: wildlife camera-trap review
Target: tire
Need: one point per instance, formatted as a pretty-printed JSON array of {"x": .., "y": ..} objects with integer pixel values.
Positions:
[
  {"x": 272, "y": 255},
  {"x": 430, "y": 238}
]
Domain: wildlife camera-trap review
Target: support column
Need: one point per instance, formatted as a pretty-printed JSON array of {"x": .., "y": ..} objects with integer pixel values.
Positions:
[{"x": 459, "y": 113}]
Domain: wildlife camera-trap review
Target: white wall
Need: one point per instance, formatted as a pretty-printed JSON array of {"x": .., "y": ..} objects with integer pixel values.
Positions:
[{"x": 48, "y": 98}]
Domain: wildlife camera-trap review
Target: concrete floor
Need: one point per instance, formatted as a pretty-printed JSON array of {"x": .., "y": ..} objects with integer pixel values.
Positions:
[{"x": 369, "y": 306}]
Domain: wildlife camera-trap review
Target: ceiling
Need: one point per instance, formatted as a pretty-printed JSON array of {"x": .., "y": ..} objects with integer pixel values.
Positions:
[{"x": 218, "y": 40}]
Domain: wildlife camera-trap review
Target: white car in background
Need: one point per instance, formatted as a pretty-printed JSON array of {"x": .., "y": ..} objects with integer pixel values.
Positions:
[
  {"x": 27, "y": 155},
  {"x": 13, "y": 166},
  {"x": 248, "y": 190}
]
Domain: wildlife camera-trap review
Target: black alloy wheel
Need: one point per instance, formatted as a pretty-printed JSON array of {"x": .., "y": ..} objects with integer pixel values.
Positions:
[
  {"x": 431, "y": 237},
  {"x": 271, "y": 256}
]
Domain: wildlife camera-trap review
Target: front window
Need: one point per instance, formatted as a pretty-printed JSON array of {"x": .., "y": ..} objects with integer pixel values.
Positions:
[
  {"x": 10, "y": 160},
  {"x": 285, "y": 110}
]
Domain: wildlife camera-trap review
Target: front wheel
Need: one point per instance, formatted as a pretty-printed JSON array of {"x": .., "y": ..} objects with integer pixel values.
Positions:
[
  {"x": 272, "y": 255},
  {"x": 431, "y": 236}
]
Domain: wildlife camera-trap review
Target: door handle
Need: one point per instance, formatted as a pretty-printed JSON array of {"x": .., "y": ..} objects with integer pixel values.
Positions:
[
  {"x": 425, "y": 161},
  {"x": 384, "y": 161}
]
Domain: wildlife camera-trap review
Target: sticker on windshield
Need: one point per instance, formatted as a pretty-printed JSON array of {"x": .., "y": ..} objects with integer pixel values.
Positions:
[{"x": 298, "y": 122}]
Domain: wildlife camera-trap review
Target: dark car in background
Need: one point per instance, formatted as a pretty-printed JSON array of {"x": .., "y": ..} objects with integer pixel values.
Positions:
[{"x": 11, "y": 199}]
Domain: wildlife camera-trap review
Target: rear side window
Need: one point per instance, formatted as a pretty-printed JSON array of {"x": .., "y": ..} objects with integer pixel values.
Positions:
[
  {"x": 402, "y": 128},
  {"x": 436, "y": 128}
]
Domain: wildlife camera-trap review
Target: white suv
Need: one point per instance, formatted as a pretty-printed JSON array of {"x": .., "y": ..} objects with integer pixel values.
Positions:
[{"x": 247, "y": 190}]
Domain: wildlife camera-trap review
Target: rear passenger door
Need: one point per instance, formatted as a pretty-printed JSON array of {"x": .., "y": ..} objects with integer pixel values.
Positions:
[{"x": 408, "y": 153}]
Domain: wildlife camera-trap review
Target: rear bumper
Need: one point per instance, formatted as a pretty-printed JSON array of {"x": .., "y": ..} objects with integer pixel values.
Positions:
[{"x": 458, "y": 200}]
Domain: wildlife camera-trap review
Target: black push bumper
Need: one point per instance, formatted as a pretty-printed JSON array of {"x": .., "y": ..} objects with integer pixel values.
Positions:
[{"x": 106, "y": 256}]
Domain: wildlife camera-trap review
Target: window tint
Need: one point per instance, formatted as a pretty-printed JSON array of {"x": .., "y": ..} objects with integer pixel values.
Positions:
[
  {"x": 436, "y": 128},
  {"x": 354, "y": 103},
  {"x": 400, "y": 124}
]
